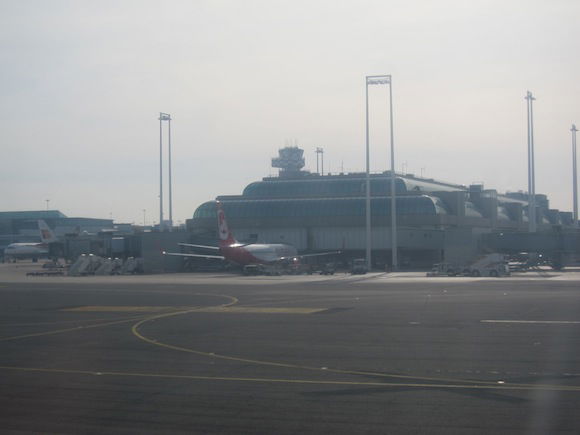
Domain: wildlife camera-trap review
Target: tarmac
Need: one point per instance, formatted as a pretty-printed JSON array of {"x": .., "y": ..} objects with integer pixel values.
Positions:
[{"x": 222, "y": 353}]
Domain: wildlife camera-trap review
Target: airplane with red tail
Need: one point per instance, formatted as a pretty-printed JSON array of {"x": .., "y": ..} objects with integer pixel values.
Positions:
[{"x": 245, "y": 253}]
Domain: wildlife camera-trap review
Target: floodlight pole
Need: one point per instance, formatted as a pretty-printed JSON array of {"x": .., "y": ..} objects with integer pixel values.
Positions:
[
  {"x": 574, "y": 175},
  {"x": 368, "y": 182},
  {"x": 535, "y": 213},
  {"x": 170, "y": 183},
  {"x": 319, "y": 154},
  {"x": 160, "y": 171},
  {"x": 164, "y": 117},
  {"x": 395, "y": 263},
  {"x": 381, "y": 80},
  {"x": 531, "y": 174},
  {"x": 317, "y": 170}
]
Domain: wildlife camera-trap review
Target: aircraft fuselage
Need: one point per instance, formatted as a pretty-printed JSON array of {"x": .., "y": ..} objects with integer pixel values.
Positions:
[
  {"x": 257, "y": 253},
  {"x": 26, "y": 250}
]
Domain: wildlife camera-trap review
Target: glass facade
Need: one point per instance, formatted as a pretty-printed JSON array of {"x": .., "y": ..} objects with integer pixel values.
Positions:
[
  {"x": 471, "y": 211},
  {"x": 323, "y": 187},
  {"x": 327, "y": 207},
  {"x": 502, "y": 214},
  {"x": 314, "y": 196},
  {"x": 329, "y": 187},
  {"x": 339, "y": 200}
]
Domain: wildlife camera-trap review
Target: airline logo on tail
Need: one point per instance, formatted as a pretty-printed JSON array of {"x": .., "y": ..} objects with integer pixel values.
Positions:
[
  {"x": 46, "y": 234},
  {"x": 226, "y": 237},
  {"x": 222, "y": 225}
]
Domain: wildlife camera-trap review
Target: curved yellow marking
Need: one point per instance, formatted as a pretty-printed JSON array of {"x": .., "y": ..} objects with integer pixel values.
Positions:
[
  {"x": 109, "y": 323},
  {"x": 60, "y": 322},
  {"x": 119, "y": 308},
  {"x": 76, "y": 328},
  {"x": 473, "y": 383}
]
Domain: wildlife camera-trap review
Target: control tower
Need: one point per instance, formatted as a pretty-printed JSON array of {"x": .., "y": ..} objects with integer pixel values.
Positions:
[{"x": 290, "y": 161}]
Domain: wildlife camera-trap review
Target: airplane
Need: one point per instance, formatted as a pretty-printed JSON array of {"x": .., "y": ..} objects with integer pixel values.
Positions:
[
  {"x": 32, "y": 250},
  {"x": 245, "y": 254}
]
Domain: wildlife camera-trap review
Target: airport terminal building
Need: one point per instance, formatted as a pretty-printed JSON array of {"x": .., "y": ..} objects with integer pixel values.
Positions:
[{"x": 436, "y": 221}]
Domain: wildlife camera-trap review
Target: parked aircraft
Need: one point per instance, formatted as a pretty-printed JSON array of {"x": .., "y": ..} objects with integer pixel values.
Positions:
[
  {"x": 245, "y": 254},
  {"x": 32, "y": 250}
]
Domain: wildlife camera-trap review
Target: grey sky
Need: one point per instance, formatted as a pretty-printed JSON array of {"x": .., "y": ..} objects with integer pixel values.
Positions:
[{"x": 82, "y": 84}]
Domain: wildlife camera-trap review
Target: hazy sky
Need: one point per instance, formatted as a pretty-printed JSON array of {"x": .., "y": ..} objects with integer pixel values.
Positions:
[{"x": 82, "y": 84}]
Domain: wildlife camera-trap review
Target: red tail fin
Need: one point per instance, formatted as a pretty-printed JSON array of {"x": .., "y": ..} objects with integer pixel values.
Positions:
[{"x": 224, "y": 233}]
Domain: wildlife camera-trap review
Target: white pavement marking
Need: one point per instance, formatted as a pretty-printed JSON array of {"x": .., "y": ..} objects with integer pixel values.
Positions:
[{"x": 549, "y": 322}]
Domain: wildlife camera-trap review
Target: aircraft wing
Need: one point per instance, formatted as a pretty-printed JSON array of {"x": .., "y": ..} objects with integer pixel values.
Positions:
[
  {"x": 189, "y": 245},
  {"x": 180, "y": 254},
  {"x": 319, "y": 254}
]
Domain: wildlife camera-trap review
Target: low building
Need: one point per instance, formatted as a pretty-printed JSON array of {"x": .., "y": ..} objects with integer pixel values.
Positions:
[{"x": 22, "y": 226}]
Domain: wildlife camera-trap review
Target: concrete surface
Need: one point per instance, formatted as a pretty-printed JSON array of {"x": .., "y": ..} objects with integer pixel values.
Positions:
[{"x": 202, "y": 353}]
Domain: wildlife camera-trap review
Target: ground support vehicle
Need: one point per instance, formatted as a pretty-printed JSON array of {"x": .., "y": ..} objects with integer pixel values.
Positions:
[
  {"x": 261, "y": 269},
  {"x": 46, "y": 273},
  {"x": 446, "y": 269},
  {"x": 493, "y": 265},
  {"x": 524, "y": 261},
  {"x": 359, "y": 266},
  {"x": 328, "y": 269}
]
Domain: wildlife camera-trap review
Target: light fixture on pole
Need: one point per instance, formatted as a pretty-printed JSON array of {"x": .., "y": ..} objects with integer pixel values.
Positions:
[
  {"x": 47, "y": 202},
  {"x": 531, "y": 166},
  {"x": 320, "y": 153},
  {"x": 574, "y": 175},
  {"x": 317, "y": 160},
  {"x": 381, "y": 80}
]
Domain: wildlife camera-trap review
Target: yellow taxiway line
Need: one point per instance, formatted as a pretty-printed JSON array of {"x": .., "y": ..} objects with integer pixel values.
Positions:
[
  {"x": 453, "y": 383},
  {"x": 298, "y": 381},
  {"x": 217, "y": 309}
]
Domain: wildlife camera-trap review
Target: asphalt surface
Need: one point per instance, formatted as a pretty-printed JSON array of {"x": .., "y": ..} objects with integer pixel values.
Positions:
[{"x": 227, "y": 354}]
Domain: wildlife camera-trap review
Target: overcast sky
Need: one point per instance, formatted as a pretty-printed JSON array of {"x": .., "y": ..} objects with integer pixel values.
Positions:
[{"x": 82, "y": 84}]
